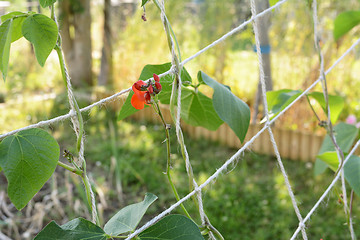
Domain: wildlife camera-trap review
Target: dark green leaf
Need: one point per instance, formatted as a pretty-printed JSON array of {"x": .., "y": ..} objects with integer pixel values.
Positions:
[
  {"x": 344, "y": 22},
  {"x": 42, "y": 32},
  {"x": 198, "y": 110},
  {"x": 28, "y": 159},
  {"x": 46, "y": 3},
  {"x": 129, "y": 217},
  {"x": 5, "y": 41},
  {"x": 18, "y": 19},
  {"x": 345, "y": 135},
  {"x": 280, "y": 99},
  {"x": 230, "y": 108},
  {"x": 143, "y": 2},
  {"x": 76, "y": 229},
  {"x": 336, "y": 104},
  {"x": 173, "y": 227}
]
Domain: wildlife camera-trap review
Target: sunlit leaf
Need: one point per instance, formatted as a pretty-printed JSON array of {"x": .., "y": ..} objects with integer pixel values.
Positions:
[
  {"x": 344, "y": 22},
  {"x": 280, "y": 99},
  {"x": 351, "y": 168},
  {"x": 129, "y": 217},
  {"x": 18, "y": 19},
  {"x": 42, "y": 32},
  {"x": 336, "y": 104},
  {"x": 173, "y": 227},
  {"x": 28, "y": 159},
  {"x": 345, "y": 135},
  {"x": 46, "y": 3},
  {"x": 5, "y": 42}
]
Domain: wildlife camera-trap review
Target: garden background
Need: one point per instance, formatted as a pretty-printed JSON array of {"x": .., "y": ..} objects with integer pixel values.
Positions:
[{"x": 258, "y": 209}]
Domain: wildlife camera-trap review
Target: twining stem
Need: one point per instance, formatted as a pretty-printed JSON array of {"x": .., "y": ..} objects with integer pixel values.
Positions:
[
  {"x": 80, "y": 131},
  {"x": 168, "y": 164}
]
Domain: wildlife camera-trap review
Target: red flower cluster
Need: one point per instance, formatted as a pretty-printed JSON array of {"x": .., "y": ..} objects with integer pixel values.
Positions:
[{"x": 143, "y": 92}]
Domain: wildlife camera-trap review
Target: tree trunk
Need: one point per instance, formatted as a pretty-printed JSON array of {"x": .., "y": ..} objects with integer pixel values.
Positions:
[
  {"x": 263, "y": 24},
  {"x": 106, "y": 69},
  {"x": 76, "y": 40}
]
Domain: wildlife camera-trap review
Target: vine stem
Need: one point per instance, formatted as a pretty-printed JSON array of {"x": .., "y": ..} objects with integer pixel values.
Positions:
[
  {"x": 168, "y": 155},
  {"x": 78, "y": 125}
]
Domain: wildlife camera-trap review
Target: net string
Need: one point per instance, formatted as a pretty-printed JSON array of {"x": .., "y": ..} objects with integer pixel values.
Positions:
[
  {"x": 237, "y": 154},
  {"x": 272, "y": 138},
  {"x": 122, "y": 92}
]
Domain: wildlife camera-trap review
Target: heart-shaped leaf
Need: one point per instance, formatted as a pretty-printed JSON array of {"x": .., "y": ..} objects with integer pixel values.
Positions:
[
  {"x": 230, "y": 108},
  {"x": 352, "y": 173},
  {"x": 76, "y": 229},
  {"x": 336, "y": 104},
  {"x": 280, "y": 99},
  {"x": 351, "y": 168},
  {"x": 5, "y": 42},
  {"x": 28, "y": 159},
  {"x": 129, "y": 217},
  {"x": 198, "y": 110},
  {"x": 344, "y": 22},
  {"x": 173, "y": 227},
  {"x": 42, "y": 32},
  {"x": 18, "y": 19},
  {"x": 46, "y": 3},
  {"x": 345, "y": 135}
]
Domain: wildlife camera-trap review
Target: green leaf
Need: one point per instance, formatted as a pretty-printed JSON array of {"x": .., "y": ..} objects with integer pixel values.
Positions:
[
  {"x": 46, "y": 3},
  {"x": 331, "y": 159},
  {"x": 28, "y": 159},
  {"x": 345, "y": 135},
  {"x": 280, "y": 99},
  {"x": 127, "y": 109},
  {"x": 18, "y": 19},
  {"x": 352, "y": 173},
  {"x": 129, "y": 217},
  {"x": 336, "y": 104},
  {"x": 173, "y": 227},
  {"x": 351, "y": 168},
  {"x": 344, "y": 22},
  {"x": 230, "y": 108},
  {"x": 5, "y": 41},
  {"x": 42, "y": 32},
  {"x": 143, "y": 2},
  {"x": 198, "y": 110},
  {"x": 76, "y": 229}
]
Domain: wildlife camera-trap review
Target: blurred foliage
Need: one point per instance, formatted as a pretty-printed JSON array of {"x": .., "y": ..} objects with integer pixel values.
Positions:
[{"x": 232, "y": 62}]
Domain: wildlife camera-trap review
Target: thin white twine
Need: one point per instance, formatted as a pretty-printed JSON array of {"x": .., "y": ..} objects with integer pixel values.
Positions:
[
  {"x": 114, "y": 96},
  {"x": 272, "y": 139},
  {"x": 177, "y": 71},
  {"x": 236, "y": 155},
  {"x": 239, "y": 152},
  {"x": 332, "y": 184},
  {"x": 323, "y": 84}
]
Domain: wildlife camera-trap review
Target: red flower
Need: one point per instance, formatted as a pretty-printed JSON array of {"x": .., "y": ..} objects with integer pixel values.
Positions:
[
  {"x": 140, "y": 97},
  {"x": 144, "y": 91}
]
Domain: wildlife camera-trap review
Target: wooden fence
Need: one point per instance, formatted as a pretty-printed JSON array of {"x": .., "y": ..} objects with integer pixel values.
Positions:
[
  {"x": 292, "y": 144},
  {"x": 295, "y": 145}
]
